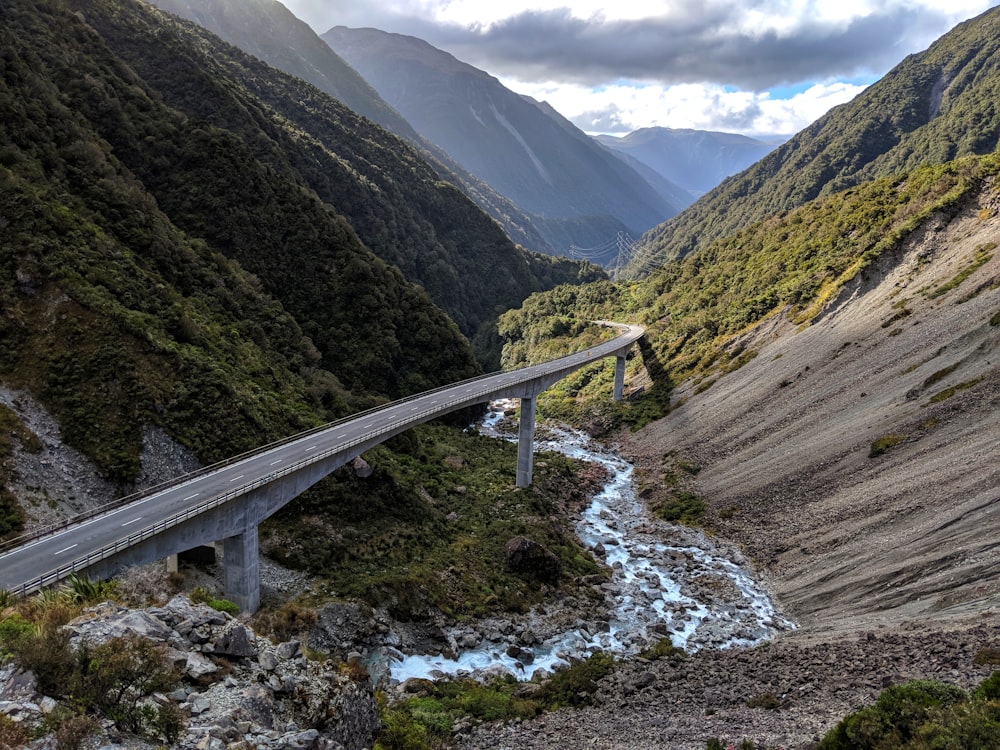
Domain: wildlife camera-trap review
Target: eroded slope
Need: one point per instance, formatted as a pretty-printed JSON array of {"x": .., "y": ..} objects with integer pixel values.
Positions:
[{"x": 906, "y": 360}]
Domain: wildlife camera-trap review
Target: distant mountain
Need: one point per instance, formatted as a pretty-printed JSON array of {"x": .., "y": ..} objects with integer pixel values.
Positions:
[
  {"x": 696, "y": 160},
  {"x": 581, "y": 194},
  {"x": 397, "y": 204},
  {"x": 268, "y": 30},
  {"x": 932, "y": 107}
]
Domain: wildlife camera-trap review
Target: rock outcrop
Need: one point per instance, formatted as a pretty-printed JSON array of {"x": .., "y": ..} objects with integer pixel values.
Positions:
[{"x": 238, "y": 687}]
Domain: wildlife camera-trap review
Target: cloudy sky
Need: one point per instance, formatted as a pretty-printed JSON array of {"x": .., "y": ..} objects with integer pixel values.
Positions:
[{"x": 757, "y": 67}]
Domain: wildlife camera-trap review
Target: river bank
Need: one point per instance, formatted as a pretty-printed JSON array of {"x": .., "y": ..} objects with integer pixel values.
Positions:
[{"x": 663, "y": 582}]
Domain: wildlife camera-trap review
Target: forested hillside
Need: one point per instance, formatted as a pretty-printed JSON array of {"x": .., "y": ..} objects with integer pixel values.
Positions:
[
  {"x": 393, "y": 200},
  {"x": 698, "y": 308},
  {"x": 932, "y": 107},
  {"x": 268, "y": 30},
  {"x": 178, "y": 251}
]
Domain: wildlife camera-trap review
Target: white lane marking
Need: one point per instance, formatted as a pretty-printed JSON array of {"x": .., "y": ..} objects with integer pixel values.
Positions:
[
  {"x": 191, "y": 497},
  {"x": 341, "y": 436},
  {"x": 64, "y": 549},
  {"x": 369, "y": 424},
  {"x": 276, "y": 462},
  {"x": 236, "y": 479},
  {"x": 132, "y": 521},
  {"x": 311, "y": 448}
]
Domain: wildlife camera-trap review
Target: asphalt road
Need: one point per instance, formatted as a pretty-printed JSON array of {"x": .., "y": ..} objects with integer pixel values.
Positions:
[{"x": 75, "y": 542}]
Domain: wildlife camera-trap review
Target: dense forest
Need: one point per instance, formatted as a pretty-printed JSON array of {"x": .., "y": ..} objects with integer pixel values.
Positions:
[{"x": 178, "y": 250}]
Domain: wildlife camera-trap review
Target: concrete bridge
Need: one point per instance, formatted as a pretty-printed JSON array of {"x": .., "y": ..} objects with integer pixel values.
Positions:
[{"x": 229, "y": 500}]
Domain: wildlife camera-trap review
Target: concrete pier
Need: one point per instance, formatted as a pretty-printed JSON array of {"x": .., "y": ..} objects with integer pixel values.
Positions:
[
  {"x": 619, "y": 388},
  {"x": 525, "y": 442},
  {"x": 241, "y": 563}
]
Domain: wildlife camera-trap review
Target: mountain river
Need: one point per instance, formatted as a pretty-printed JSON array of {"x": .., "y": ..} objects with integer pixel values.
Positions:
[{"x": 666, "y": 581}]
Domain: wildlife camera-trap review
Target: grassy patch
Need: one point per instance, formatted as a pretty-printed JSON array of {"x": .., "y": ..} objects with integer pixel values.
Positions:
[
  {"x": 949, "y": 392},
  {"x": 940, "y": 375},
  {"x": 983, "y": 254},
  {"x": 884, "y": 443}
]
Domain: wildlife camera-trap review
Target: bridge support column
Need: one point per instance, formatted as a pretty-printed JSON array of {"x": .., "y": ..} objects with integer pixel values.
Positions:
[
  {"x": 525, "y": 442},
  {"x": 619, "y": 377},
  {"x": 241, "y": 561}
]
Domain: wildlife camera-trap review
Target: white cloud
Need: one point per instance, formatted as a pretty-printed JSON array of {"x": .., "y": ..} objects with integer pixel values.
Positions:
[
  {"x": 613, "y": 67},
  {"x": 621, "y": 108}
]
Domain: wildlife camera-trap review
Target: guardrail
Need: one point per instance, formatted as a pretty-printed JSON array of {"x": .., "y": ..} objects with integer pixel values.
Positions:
[{"x": 518, "y": 377}]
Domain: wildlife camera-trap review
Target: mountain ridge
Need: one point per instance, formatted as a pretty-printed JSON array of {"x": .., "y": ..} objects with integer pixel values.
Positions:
[
  {"x": 579, "y": 192},
  {"x": 266, "y": 29},
  {"x": 696, "y": 160},
  {"x": 888, "y": 128}
]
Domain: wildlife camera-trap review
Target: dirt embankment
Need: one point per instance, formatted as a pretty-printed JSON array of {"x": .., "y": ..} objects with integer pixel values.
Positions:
[{"x": 847, "y": 538}]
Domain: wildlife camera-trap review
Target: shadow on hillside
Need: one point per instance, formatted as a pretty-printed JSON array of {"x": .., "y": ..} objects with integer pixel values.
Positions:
[{"x": 662, "y": 385}]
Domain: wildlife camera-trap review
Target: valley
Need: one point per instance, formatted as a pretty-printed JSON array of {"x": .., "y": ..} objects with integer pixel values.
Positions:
[{"x": 201, "y": 254}]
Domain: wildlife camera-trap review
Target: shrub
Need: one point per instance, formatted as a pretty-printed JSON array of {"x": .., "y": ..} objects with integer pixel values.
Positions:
[
  {"x": 47, "y": 654},
  {"x": 289, "y": 621},
  {"x": 12, "y": 733},
  {"x": 989, "y": 689},
  {"x": 682, "y": 506},
  {"x": 401, "y": 732},
  {"x": 664, "y": 649},
  {"x": 114, "y": 677},
  {"x": 73, "y": 731},
  {"x": 13, "y": 632},
  {"x": 987, "y": 655},
  {"x": 765, "y": 700},
  {"x": 899, "y": 712},
  {"x": 576, "y": 684}
]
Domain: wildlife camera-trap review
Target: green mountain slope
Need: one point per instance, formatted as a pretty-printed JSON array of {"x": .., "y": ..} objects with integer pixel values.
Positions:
[
  {"x": 932, "y": 107},
  {"x": 267, "y": 30},
  {"x": 127, "y": 226},
  {"x": 697, "y": 308},
  {"x": 393, "y": 200}
]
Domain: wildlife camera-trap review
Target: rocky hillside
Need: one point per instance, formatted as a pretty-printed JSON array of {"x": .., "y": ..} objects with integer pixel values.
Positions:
[
  {"x": 182, "y": 673},
  {"x": 932, "y": 107},
  {"x": 579, "y": 193}
]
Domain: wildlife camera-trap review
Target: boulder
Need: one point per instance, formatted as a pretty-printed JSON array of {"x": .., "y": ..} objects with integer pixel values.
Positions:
[
  {"x": 527, "y": 558},
  {"x": 237, "y": 641}
]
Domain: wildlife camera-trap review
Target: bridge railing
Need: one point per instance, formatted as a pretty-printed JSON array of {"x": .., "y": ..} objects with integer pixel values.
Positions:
[{"x": 517, "y": 377}]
